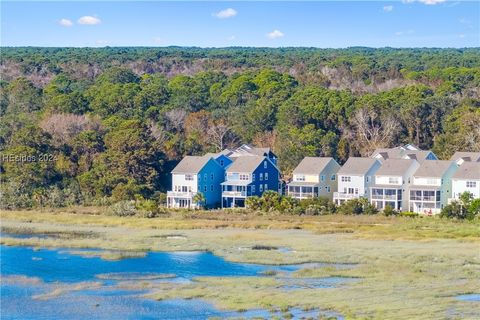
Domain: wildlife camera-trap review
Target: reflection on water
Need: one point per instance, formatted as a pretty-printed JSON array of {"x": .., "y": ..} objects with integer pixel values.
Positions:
[{"x": 29, "y": 273}]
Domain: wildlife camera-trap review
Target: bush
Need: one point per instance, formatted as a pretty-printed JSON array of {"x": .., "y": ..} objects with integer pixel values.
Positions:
[
  {"x": 357, "y": 206},
  {"x": 408, "y": 214},
  {"x": 318, "y": 206},
  {"x": 389, "y": 211},
  {"x": 454, "y": 210},
  {"x": 149, "y": 208},
  {"x": 123, "y": 209}
]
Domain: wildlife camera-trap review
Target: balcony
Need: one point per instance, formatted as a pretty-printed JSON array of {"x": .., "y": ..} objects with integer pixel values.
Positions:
[
  {"x": 385, "y": 197},
  {"x": 234, "y": 194},
  {"x": 175, "y": 194},
  {"x": 302, "y": 195},
  {"x": 346, "y": 196}
]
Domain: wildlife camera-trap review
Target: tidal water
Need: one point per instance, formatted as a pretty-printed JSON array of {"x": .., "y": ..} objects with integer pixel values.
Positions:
[{"x": 28, "y": 274}]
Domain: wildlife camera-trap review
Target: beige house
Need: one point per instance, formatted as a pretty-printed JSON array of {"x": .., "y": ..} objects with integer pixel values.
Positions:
[{"x": 314, "y": 177}]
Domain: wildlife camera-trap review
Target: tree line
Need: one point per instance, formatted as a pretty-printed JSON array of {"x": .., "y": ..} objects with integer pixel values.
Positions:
[{"x": 115, "y": 133}]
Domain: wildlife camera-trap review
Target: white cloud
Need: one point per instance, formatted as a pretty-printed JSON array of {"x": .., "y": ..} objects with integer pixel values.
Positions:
[
  {"x": 401, "y": 33},
  {"x": 461, "y": 36},
  {"x": 231, "y": 38},
  {"x": 427, "y": 2},
  {"x": 275, "y": 34},
  {"x": 227, "y": 13},
  {"x": 89, "y": 20},
  {"x": 65, "y": 22},
  {"x": 101, "y": 42},
  {"x": 388, "y": 8}
]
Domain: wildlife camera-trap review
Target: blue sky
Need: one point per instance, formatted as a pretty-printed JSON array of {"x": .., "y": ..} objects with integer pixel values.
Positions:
[{"x": 336, "y": 24}]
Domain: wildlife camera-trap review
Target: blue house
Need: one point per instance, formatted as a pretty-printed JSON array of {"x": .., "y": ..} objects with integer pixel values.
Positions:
[
  {"x": 247, "y": 176},
  {"x": 195, "y": 175}
]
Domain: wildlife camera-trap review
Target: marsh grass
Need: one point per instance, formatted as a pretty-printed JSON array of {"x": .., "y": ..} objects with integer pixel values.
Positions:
[{"x": 407, "y": 268}]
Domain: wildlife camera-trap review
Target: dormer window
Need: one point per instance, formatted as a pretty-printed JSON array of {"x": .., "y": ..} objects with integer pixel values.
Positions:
[
  {"x": 265, "y": 164},
  {"x": 221, "y": 162}
]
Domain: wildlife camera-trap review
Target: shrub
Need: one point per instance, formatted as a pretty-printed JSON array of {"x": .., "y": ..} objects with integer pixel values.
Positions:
[
  {"x": 357, "y": 206},
  {"x": 389, "y": 211},
  {"x": 123, "y": 209},
  {"x": 454, "y": 210}
]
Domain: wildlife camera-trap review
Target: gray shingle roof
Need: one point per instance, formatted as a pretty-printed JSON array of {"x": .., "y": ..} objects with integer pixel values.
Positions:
[
  {"x": 245, "y": 164},
  {"x": 312, "y": 165},
  {"x": 399, "y": 153},
  {"x": 357, "y": 166},
  {"x": 467, "y": 156},
  {"x": 191, "y": 164},
  {"x": 468, "y": 170},
  {"x": 433, "y": 168},
  {"x": 395, "y": 167},
  {"x": 247, "y": 150}
]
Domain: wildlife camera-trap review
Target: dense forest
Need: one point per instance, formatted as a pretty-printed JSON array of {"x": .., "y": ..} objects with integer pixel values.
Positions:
[{"x": 88, "y": 126}]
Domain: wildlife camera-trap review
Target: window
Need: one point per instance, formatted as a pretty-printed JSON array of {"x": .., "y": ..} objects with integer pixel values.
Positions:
[
  {"x": 205, "y": 177},
  {"x": 322, "y": 177},
  {"x": 221, "y": 162},
  {"x": 189, "y": 177},
  {"x": 266, "y": 175},
  {"x": 300, "y": 178},
  {"x": 261, "y": 188},
  {"x": 211, "y": 176},
  {"x": 346, "y": 179},
  {"x": 261, "y": 176},
  {"x": 368, "y": 179},
  {"x": 205, "y": 188},
  {"x": 471, "y": 184},
  {"x": 253, "y": 189},
  {"x": 266, "y": 187},
  {"x": 356, "y": 190},
  {"x": 244, "y": 177},
  {"x": 328, "y": 189},
  {"x": 265, "y": 164},
  {"x": 211, "y": 187},
  {"x": 393, "y": 180},
  {"x": 333, "y": 177},
  {"x": 253, "y": 176}
]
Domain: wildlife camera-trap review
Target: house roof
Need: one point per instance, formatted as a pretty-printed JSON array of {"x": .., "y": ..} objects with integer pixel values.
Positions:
[
  {"x": 418, "y": 155},
  {"x": 245, "y": 164},
  {"x": 312, "y": 165},
  {"x": 191, "y": 164},
  {"x": 248, "y": 150},
  {"x": 466, "y": 156},
  {"x": 224, "y": 152},
  {"x": 395, "y": 167},
  {"x": 467, "y": 171},
  {"x": 355, "y": 165},
  {"x": 405, "y": 152},
  {"x": 433, "y": 168}
]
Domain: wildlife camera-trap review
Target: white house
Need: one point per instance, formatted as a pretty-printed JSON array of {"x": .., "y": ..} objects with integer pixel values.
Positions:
[
  {"x": 355, "y": 178},
  {"x": 461, "y": 157},
  {"x": 391, "y": 183},
  {"x": 466, "y": 179},
  {"x": 193, "y": 175},
  {"x": 431, "y": 186},
  {"x": 314, "y": 177}
]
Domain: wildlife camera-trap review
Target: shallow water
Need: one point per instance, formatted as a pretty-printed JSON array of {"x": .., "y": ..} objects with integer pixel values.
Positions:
[
  {"x": 475, "y": 297},
  {"x": 48, "y": 269}
]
